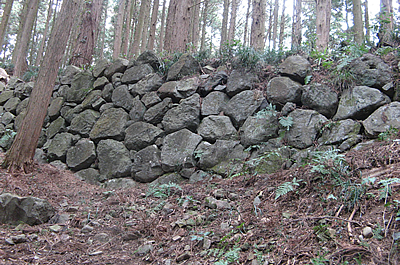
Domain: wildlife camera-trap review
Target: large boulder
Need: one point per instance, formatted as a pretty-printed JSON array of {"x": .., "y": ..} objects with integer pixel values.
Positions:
[
  {"x": 178, "y": 90},
  {"x": 281, "y": 90},
  {"x": 114, "y": 160},
  {"x": 243, "y": 105},
  {"x": 59, "y": 146},
  {"x": 305, "y": 128},
  {"x": 185, "y": 115},
  {"x": 258, "y": 129},
  {"x": 122, "y": 98},
  {"x": 141, "y": 134},
  {"x": 215, "y": 127},
  {"x": 93, "y": 100},
  {"x": 68, "y": 74},
  {"x": 321, "y": 98},
  {"x": 100, "y": 67},
  {"x": 223, "y": 157},
  {"x": 30, "y": 210},
  {"x": 136, "y": 73},
  {"x": 57, "y": 126},
  {"x": 149, "y": 83},
  {"x": 23, "y": 90},
  {"x": 146, "y": 165},
  {"x": 118, "y": 66},
  {"x": 89, "y": 175},
  {"x": 80, "y": 87},
  {"x": 359, "y": 102},
  {"x": 240, "y": 80},
  {"x": 186, "y": 65},
  {"x": 339, "y": 131},
  {"x": 138, "y": 110},
  {"x": 177, "y": 150},
  {"x": 11, "y": 105},
  {"x": 213, "y": 103},
  {"x": 55, "y": 107},
  {"x": 6, "y": 95},
  {"x": 370, "y": 70},
  {"x": 82, "y": 155},
  {"x": 111, "y": 124},
  {"x": 155, "y": 114},
  {"x": 83, "y": 122},
  {"x": 149, "y": 57},
  {"x": 383, "y": 119},
  {"x": 150, "y": 99},
  {"x": 295, "y": 67}
]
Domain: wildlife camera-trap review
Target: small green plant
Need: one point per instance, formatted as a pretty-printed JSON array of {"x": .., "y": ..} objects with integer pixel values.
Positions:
[
  {"x": 287, "y": 187},
  {"x": 322, "y": 232},
  {"x": 320, "y": 260},
  {"x": 385, "y": 191},
  {"x": 229, "y": 257},
  {"x": 377, "y": 232},
  {"x": 286, "y": 122},
  {"x": 200, "y": 236},
  {"x": 388, "y": 134},
  {"x": 163, "y": 191},
  {"x": 270, "y": 110}
]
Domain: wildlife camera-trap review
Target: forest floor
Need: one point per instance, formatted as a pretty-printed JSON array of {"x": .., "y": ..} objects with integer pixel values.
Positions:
[{"x": 224, "y": 221}]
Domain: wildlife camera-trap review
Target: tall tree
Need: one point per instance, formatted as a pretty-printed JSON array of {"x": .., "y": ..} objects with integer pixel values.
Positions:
[
  {"x": 21, "y": 47},
  {"x": 103, "y": 30},
  {"x": 224, "y": 28},
  {"x": 177, "y": 29},
  {"x": 204, "y": 14},
  {"x": 21, "y": 153},
  {"x": 296, "y": 26},
  {"x": 258, "y": 25},
  {"x": 162, "y": 27},
  {"x": 194, "y": 24},
  {"x": 246, "y": 23},
  {"x": 137, "y": 38},
  {"x": 85, "y": 43},
  {"x": 118, "y": 29},
  {"x": 4, "y": 20},
  {"x": 153, "y": 25},
  {"x": 232, "y": 21},
  {"x": 128, "y": 24},
  {"x": 282, "y": 26},
  {"x": 386, "y": 22},
  {"x": 145, "y": 29},
  {"x": 45, "y": 32},
  {"x": 358, "y": 28},
  {"x": 275, "y": 24},
  {"x": 323, "y": 21},
  {"x": 366, "y": 22}
]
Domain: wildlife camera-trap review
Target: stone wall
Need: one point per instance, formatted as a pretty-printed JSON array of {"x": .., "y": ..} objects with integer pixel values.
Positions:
[{"x": 123, "y": 121}]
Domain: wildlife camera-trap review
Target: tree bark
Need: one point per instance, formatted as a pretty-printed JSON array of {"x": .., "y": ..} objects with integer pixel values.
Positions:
[
  {"x": 224, "y": 28},
  {"x": 45, "y": 32},
  {"x": 323, "y": 24},
  {"x": 282, "y": 26},
  {"x": 275, "y": 24},
  {"x": 85, "y": 43},
  {"x": 358, "y": 22},
  {"x": 232, "y": 22},
  {"x": 21, "y": 49},
  {"x": 127, "y": 30},
  {"x": 23, "y": 148},
  {"x": 139, "y": 29},
  {"x": 153, "y": 24},
  {"x": 204, "y": 14},
  {"x": 4, "y": 20},
  {"x": 177, "y": 29},
  {"x": 146, "y": 25},
  {"x": 162, "y": 27},
  {"x": 246, "y": 23},
  {"x": 103, "y": 30},
  {"x": 386, "y": 22},
  {"x": 366, "y": 22},
  {"x": 296, "y": 26},
  {"x": 194, "y": 25},
  {"x": 118, "y": 30},
  {"x": 258, "y": 25}
]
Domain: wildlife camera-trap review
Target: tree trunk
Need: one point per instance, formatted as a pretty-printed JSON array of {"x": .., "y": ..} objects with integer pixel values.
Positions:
[
  {"x": 246, "y": 23},
  {"x": 232, "y": 22},
  {"x": 118, "y": 30},
  {"x": 224, "y": 29},
  {"x": 323, "y": 24},
  {"x": 139, "y": 29},
  {"x": 178, "y": 22},
  {"x": 194, "y": 25},
  {"x": 146, "y": 25},
  {"x": 275, "y": 24},
  {"x": 85, "y": 43},
  {"x": 153, "y": 24},
  {"x": 358, "y": 23},
  {"x": 23, "y": 148},
  {"x": 270, "y": 25},
  {"x": 204, "y": 25},
  {"x": 21, "y": 65},
  {"x": 282, "y": 26},
  {"x": 162, "y": 27},
  {"x": 103, "y": 30},
  {"x": 296, "y": 27},
  {"x": 386, "y": 22},
  {"x": 127, "y": 29},
  {"x": 4, "y": 20},
  {"x": 258, "y": 25},
  {"x": 45, "y": 32},
  {"x": 366, "y": 22}
]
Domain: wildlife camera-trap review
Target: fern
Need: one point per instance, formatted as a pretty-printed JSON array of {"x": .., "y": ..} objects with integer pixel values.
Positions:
[
  {"x": 287, "y": 187},
  {"x": 286, "y": 122},
  {"x": 386, "y": 191}
]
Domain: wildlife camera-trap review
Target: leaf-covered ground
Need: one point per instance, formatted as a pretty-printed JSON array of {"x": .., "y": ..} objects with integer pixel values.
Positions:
[{"x": 315, "y": 214}]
